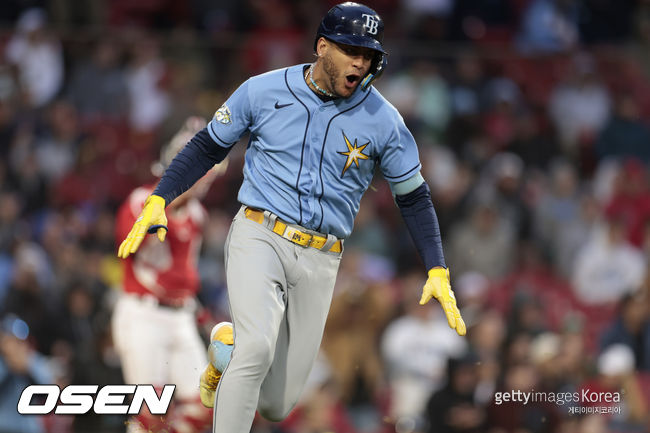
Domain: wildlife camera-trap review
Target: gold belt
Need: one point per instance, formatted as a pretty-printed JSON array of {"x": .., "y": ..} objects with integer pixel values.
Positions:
[{"x": 296, "y": 236}]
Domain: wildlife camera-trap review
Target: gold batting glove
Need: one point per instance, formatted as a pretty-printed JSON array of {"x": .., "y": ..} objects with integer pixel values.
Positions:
[
  {"x": 439, "y": 287},
  {"x": 151, "y": 219}
]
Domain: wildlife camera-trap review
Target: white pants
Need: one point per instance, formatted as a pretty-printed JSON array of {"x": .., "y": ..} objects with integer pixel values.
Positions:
[
  {"x": 158, "y": 345},
  {"x": 280, "y": 294}
]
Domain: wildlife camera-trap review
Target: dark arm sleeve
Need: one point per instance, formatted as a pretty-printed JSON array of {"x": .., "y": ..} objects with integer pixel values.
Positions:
[
  {"x": 420, "y": 218},
  {"x": 190, "y": 165}
]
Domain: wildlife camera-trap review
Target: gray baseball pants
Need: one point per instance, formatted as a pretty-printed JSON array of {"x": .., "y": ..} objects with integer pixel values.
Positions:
[{"x": 280, "y": 295}]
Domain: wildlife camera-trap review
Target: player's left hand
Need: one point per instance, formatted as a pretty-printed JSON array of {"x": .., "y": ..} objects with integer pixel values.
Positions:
[
  {"x": 439, "y": 287},
  {"x": 152, "y": 219}
]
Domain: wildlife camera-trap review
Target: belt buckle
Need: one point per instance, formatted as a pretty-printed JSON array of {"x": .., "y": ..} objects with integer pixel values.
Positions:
[{"x": 296, "y": 236}]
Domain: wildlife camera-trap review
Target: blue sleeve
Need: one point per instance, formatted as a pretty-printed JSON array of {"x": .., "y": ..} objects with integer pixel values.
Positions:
[
  {"x": 399, "y": 160},
  {"x": 190, "y": 165},
  {"x": 420, "y": 218},
  {"x": 233, "y": 118}
]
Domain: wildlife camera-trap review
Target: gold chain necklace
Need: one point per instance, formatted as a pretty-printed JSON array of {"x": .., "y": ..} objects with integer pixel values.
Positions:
[{"x": 313, "y": 83}]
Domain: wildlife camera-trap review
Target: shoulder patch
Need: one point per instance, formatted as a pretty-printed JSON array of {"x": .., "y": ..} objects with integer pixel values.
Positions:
[{"x": 222, "y": 115}]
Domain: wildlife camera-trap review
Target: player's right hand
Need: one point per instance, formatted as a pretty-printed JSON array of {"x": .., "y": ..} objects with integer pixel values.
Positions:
[{"x": 152, "y": 216}]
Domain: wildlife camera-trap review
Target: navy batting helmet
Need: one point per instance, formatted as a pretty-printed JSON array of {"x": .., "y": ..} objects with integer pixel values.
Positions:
[{"x": 357, "y": 25}]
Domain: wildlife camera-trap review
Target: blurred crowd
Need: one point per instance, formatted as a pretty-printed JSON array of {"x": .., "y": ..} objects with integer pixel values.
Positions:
[{"x": 533, "y": 124}]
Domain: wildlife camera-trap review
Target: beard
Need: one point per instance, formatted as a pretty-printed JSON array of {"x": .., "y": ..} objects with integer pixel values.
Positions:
[{"x": 332, "y": 73}]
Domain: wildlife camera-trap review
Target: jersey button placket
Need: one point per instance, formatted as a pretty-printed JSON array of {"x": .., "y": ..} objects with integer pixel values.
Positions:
[
  {"x": 318, "y": 125},
  {"x": 306, "y": 184}
]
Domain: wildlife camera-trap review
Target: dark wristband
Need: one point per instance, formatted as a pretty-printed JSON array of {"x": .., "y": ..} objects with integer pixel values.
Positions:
[{"x": 421, "y": 220}]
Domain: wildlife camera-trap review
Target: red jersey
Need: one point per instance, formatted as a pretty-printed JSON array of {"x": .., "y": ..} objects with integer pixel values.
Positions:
[{"x": 166, "y": 270}]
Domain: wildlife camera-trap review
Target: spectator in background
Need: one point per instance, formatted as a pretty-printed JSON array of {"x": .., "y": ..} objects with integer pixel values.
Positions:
[
  {"x": 466, "y": 91},
  {"x": 573, "y": 234},
  {"x": 545, "y": 356},
  {"x": 213, "y": 293},
  {"x": 630, "y": 200},
  {"x": 472, "y": 291},
  {"x": 631, "y": 327},
  {"x": 574, "y": 362},
  {"x": 514, "y": 417},
  {"x": 451, "y": 181},
  {"x": 423, "y": 334},
  {"x": 426, "y": 20},
  {"x": 80, "y": 311},
  {"x": 371, "y": 235},
  {"x": 92, "y": 358},
  {"x": 532, "y": 141},
  {"x": 8, "y": 109},
  {"x": 320, "y": 408},
  {"x": 10, "y": 226},
  {"x": 579, "y": 107},
  {"x": 20, "y": 366},
  {"x": 31, "y": 298},
  {"x": 503, "y": 103},
  {"x": 487, "y": 338},
  {"x": 433, "y": 99},
  {"x": 454, "y": 408},
  {"x": 616, "y": 374},
  {"x": 503, "y": 178},
  {"x": 23, "y": 174},
  {"x": 558, "y": 206},
  {"x": 526, "y": 315},
  {"x": 467, "y": 84},
  {"x": 217, "y": 18},
  {"x": 38, "y": 58},
  {"x": 10, "y": 208},
  {"x": 98, "y": 87},
  {"x": 43, "y": 153},
  {"x": 275, "y": 40},
  {"x": 66, "y": 253},
  {"x": 145, "y": 78},
  {"x": 421, "y": 95},
  {"x": 625, "y": 135},
  {"x": 483, "y": 242},
  {"x": 608, "y": 267},
  {"x": 549, "y": 26},
  {"x": 361, "y": 307},
  {"x": 57, "y": 147}
]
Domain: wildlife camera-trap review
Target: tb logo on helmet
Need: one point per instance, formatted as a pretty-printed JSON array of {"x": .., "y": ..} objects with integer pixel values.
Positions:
[{"x": 372, "y": 23}]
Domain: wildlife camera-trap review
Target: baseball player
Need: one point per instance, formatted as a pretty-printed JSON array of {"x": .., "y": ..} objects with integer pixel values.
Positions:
[
  {"x": 317, "y": 133},
  {"x": 153, "y": 322}
]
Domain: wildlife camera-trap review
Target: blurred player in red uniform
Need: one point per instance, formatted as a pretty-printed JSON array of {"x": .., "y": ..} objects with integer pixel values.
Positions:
[{"x": 154, "y": 324}]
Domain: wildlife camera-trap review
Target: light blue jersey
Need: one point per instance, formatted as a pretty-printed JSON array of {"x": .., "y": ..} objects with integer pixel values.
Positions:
[{"x": 310, "y": 161}]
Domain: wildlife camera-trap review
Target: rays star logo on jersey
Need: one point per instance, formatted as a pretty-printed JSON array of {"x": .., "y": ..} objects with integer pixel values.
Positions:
[
  {"x": 222, "y": 115},
  {"x": 354, "y": 154}
]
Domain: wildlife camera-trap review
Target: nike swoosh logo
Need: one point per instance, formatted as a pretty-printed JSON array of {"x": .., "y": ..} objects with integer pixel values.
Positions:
[{"x": 282, "y": 105}]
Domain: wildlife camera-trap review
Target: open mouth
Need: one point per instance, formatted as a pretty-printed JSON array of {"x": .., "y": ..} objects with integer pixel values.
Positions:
[{"x": 352, "y": 80}]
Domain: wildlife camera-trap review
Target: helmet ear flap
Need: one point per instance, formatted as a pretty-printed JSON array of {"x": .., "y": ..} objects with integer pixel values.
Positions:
[{"x": 376, "y": 69}]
